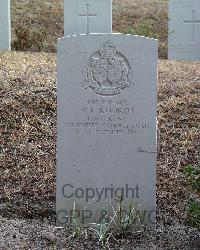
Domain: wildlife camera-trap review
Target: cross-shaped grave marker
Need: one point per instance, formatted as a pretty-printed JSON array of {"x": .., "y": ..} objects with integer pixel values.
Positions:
[
  {"x": 184, "y": 30},
  {"x": 193, "y": 22},
  {"x": 88, "y": 17}
]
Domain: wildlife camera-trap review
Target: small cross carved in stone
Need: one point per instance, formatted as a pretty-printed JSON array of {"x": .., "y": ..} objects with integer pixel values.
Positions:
[
  {"x": 193, "y": 22},
  {"x": 88, "y": 15}
]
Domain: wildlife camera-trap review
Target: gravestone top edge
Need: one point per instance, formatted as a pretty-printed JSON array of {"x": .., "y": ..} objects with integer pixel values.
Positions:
[{"x": 109, "y": 34}]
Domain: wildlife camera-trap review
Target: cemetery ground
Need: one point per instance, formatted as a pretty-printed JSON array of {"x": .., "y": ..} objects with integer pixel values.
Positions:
[
  {"x": 28, "y": 160},
  {"x": 36, "y": 25}
]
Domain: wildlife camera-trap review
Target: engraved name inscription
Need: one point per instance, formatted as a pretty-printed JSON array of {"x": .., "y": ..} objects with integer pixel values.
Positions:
[{"x": 107, "y": 117}]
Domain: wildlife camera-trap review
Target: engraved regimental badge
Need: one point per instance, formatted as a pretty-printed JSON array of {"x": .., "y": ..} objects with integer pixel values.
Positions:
[{"x": 108, "y": 72}]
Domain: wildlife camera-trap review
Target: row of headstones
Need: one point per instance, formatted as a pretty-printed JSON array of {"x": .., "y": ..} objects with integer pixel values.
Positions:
[
  {"x": 96, "y": 17},
  {"x": 86, "y": 16}
]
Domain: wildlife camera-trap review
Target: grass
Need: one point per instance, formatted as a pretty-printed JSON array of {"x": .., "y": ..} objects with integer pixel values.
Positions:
[
  {"x": 118, "y": 224},
  {"x": 103, "y": 231},
  {"x": 29, "y": 40},
  {"x": 125, "y": 217},
  {"x": 76, "y": 223},
  {"x": 142, "y": 29},
  {"x": 193, "y": 173},
  {"x": 193, "y": 210},
  {"x": 194, "y": 213},
  {"x": 36, "y": 25}
]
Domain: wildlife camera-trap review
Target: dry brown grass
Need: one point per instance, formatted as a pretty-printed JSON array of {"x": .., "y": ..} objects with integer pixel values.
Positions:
[
  {"x": 28, "y": 115},
  {"x": 28, "y": 136},
  {"x": 145, "y": 17},
  {"x": 41, "y": 22}
]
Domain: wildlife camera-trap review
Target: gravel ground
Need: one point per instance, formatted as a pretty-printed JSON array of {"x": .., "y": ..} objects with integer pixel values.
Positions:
[
  {"x": 33, "y": 234},
  {"x": 28, "y": 162}
]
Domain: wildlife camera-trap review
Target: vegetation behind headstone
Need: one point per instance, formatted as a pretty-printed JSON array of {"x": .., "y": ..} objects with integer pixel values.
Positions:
[{"x": 36, "y": 25}]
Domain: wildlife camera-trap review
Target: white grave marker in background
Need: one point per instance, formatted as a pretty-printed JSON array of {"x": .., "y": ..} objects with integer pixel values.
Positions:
[
  {"x": 107, "y": 108},
  {"x": 184, "y": 30},
  {"x": 5, "y": 29},
  {"x": 87, "y": 16}
]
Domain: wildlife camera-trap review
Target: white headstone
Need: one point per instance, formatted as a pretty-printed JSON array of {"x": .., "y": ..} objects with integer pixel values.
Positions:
[
  {"x": 87, "y": 16},
  {"x": 184, "y": 30},
  {"x": 106, "y": 137},
  {"x": 5, "y": 29}
]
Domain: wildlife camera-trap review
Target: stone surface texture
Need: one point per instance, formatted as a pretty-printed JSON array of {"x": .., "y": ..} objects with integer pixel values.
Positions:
[
  {"x": 184, "y": 30},
  {"x": 107, "y": 109},
  {"x": 99, "y": 18}
]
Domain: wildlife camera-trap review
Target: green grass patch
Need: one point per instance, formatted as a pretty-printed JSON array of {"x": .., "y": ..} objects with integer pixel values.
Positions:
[
  {"x": 142, "y": 29},
  {"x": 194, "y": 213},
  {"x": 193, "y": 173}
]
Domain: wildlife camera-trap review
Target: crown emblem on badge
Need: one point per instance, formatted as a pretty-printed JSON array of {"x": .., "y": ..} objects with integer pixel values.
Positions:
[
  {"x": 107, "y": 72},
  {"x": 108, "y": 50}
]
